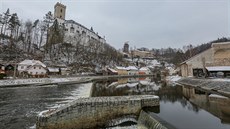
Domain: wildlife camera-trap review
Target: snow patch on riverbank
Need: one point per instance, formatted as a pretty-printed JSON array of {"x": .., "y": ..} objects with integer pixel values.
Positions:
[
  {"x": 218, "y": 96},
  {"x": 173, "y": 78}
]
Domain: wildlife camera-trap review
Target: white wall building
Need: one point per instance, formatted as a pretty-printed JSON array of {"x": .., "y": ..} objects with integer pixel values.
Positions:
[
  {"x": 132, "y": 70},
  {"x": 74, "y": 29},
  {"x": 144, "y": 70},
  {"x": 34, "y": 68}
]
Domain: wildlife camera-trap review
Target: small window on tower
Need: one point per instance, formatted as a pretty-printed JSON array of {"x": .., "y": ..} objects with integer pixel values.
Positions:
[
  {"x": 61, "y": 10},
  {"x": 60, "y": 16}
]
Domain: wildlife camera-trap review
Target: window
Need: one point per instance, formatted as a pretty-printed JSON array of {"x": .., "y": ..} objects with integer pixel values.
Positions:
[
  {"x": 71, "y": 29},
  {"x": 34, "y": 67},
  {"x": 60, "y": 16},
  {"x": 30, "y": 72},
  {"x": 40, "y": 67},
  {"x": 22, "y": 67},
  {"x": 36, "y": 73},
  {"x": 61, "y": 10},
  {"x": 42, "y": 73}
]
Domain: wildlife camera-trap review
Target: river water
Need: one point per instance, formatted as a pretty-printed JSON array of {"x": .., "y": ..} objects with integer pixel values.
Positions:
[
  {"x": 20, "y": 106},
  {"x": 181, "y": 106}
]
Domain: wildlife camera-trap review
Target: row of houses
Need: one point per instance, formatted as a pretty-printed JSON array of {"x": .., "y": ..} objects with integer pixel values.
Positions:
[
  {"x": 213, "y": 62},
  {"x": 31, "y": 68},
  {"x": 130, "y": 70}
]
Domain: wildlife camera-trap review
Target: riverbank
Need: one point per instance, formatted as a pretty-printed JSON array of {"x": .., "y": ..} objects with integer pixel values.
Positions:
[
  {"x": 59, "y": 81},
  {"x": 216, "y": 86}
]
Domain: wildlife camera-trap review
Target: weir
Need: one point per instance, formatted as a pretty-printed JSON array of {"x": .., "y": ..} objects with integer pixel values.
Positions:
[{"x": 94, "y": 111}]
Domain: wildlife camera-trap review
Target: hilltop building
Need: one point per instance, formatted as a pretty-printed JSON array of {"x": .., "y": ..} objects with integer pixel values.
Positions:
[{"x": 74, "y": 29}]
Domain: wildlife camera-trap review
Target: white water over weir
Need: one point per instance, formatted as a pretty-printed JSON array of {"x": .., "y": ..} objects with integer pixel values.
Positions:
[{"x": 94, "y": 111}]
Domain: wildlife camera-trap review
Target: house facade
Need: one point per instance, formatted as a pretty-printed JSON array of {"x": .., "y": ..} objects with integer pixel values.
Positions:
[
  {"x": 32, "y": 68},
  {"x": 144, "y": 70},
  {"x": 132, "y": 70},
  {"x": 2, "y": 69},
  {"x": 217, "y": 56},
  {"x": 121, "y": 70}
]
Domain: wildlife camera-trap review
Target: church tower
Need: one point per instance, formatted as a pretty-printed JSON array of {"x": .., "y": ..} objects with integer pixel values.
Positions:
[{"x": 59, "y": 11}]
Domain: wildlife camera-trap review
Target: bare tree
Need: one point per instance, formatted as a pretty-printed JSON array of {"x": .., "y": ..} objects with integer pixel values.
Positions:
[{"x": 29, "y": 27}]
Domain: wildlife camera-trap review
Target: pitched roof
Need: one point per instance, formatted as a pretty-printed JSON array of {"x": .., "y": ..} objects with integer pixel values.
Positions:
[
  {"x": 32, "y": 63},
  {"x": 144, "y": 68},
  {"x": 131, "y": 68}
]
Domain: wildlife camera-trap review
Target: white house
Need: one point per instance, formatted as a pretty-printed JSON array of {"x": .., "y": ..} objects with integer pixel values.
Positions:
[
  {"x": 144, "y": 70},
  {"x": 132, "y": 70},
  {"x": 34, "y": 68}
]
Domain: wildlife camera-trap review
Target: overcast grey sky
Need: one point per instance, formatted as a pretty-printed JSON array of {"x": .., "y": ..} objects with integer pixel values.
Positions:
[{"x": 144, "y": 23}]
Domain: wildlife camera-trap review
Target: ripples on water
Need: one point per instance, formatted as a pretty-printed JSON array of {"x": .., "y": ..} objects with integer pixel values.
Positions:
[{"x": 20, "y": 106}]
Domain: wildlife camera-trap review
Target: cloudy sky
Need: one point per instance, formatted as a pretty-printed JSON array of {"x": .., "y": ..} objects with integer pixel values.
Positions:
[{"x": 144, "y": 23}]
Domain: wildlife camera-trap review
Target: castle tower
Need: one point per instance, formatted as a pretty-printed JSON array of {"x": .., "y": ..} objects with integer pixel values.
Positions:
[
  {"x": 59, "y": 11},
  {"x": 126, "y": 47}
]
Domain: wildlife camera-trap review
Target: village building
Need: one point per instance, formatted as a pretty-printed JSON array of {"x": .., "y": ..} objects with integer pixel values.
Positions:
[
  {"x": 53, "y": 71},
  {"x": 32, "y": 68},
  {"x": 9, "y": 70},
  {"x": 111, "y": 71},
  {"x": 144, "y": 70},
  {"x": 209, "y": 62},
  {"x": 121, "y": 70},
  {"x": 132, "y": 70},
  {"x": 142, "y": 54},
  {"x": 2, "y": 69}
]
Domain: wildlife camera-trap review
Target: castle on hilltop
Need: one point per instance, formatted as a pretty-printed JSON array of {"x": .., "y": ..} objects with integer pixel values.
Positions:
[{"x": 72, "y": 28}]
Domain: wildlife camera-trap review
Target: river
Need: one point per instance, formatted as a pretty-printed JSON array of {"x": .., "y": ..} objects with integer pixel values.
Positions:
[
  {"x": 20, "y": 106},
  {"x": 181, "y": 106}
]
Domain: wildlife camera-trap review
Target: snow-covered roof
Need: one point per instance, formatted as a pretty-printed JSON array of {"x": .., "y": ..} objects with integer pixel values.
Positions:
[
  {"x": 144, "y": 69},
  {"x": 218, "y": 68},
  {"x": 121, "y": 68},
  {"x": 32, "y": 63},
  {"x": 131, "y": 68},
  {"x": 51, "y": 69},
  {"x": 112, "y": 70}
]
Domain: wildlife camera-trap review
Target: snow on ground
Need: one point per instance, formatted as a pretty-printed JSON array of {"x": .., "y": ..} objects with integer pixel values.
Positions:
[
  {"x": 218, "y": 96},
  {"x": 173, "y": 78},
  {"x": 132, "y": 84},
  {"x": 120, "y": 86},
  {"x": 37, "y": 80}
]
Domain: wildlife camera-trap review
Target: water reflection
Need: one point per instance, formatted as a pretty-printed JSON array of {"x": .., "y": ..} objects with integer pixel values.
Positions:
[
  {"x": 180, "y": 106},
  {"x": 125, "y": 86},
  {"x": 218, "y": 105}
]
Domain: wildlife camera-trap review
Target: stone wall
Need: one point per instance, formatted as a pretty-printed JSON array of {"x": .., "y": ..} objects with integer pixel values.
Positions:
[
  {"x": 145, "y": 121},
  {"x": 93, "y": 112},
  {"x": 216, "y": 86}
]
